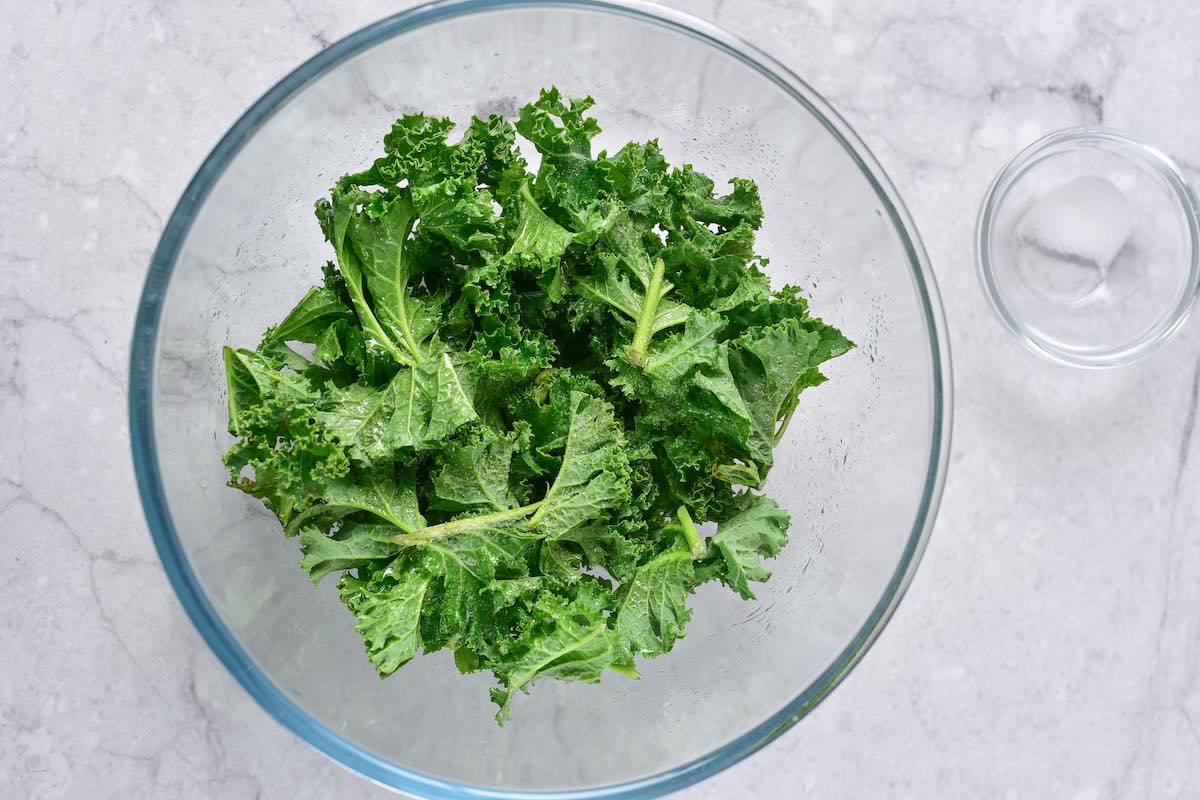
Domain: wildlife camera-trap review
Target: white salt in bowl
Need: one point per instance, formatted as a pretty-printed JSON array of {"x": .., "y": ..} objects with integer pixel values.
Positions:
[{"x": 1088, "y": 247}]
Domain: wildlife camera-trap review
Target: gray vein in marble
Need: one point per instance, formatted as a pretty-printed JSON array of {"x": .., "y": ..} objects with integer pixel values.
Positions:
[
  {"x": 1189, "y": 427},
  {"x": 1080, "y": 93},
  {"x": 108, "y": 556},
  {"x": 319, "y": 37},
  {"x": 68, "y": 322},
  {"x": 32, "y": 167}
]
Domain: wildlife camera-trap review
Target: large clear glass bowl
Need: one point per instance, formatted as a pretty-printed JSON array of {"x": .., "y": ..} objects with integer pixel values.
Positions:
[{"x": 861, "y": 469}]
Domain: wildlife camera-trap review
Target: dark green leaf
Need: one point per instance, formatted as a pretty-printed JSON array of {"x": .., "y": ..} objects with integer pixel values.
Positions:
[
  {"x": 757, "y": 531},
  {"x": 312, "y": 316},
  {"x": 386, "y": 493},
  {"x": 653, "y": 606},
  {"x": 594, "y": 476},
  {"x": 353, "y": 546},
  {"x": 474, "y": 475},
  {"x": 569, "y": 642},
  {"x": 388, "y": 618}
]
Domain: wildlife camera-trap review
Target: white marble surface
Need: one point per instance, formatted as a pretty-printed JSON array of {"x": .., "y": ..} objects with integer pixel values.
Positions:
[{"x": 1050, "y": 644}]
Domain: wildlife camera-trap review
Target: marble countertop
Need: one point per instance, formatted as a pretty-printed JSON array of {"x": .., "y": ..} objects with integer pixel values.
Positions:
[{"x": 1050, "y": 644}]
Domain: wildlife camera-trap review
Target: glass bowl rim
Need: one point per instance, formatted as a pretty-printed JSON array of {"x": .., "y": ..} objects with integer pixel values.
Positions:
[
  {"x": 205, "y": 618},
  {"x": 1134, "y": 150}
]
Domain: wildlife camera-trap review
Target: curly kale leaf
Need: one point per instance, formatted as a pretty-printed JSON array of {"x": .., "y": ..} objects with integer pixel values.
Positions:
[{"x": 518, "y": 394}]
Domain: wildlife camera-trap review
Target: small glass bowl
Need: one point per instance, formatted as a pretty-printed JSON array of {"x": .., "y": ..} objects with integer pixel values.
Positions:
[{"x": 1088, "y": 247}]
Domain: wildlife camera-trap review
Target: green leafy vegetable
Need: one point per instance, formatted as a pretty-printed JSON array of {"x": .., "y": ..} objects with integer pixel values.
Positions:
[
  {"x": 355, "y": 545},
  {"x": 653, "y": 608},
  {"x": 389, "y": 618},
  {"x": 756, "y": 532},
  {"x": 515, "y": 399}
]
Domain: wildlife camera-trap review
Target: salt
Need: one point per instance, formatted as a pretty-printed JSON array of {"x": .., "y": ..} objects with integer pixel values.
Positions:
[{"x": 1075, "y": 232}]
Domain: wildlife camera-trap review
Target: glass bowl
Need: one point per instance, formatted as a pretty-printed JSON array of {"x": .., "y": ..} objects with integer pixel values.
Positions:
[
  {"x": 861, "y": 469},
  {"x": 1088, "y": 247}
]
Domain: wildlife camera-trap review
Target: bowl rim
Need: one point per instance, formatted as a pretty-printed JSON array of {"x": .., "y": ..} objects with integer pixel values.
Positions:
[
  {"x": 1135, "y": 151},
  {"x": 213, "y": 630}
]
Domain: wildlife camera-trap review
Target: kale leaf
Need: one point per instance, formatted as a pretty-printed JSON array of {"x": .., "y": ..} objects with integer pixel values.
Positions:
[{"x": 516, "y": 394}]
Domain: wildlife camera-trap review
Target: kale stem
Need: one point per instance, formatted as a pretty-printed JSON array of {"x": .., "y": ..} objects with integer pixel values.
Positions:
[
  {"x": 406, "y": 336},
  {"x": 466, "y": 524},
  {"x": 401, "y": 278},
  {"x": 367, "y": 319},
  {"x": 784, "y": 424},
  {"x": 413, "y": 348},
  {"x": 690, "y": 533},
  {"x": 645, "y": 320}
]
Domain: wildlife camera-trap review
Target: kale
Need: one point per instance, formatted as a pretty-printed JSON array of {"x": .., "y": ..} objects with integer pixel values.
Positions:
[{"x": 523, "y": 392}]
